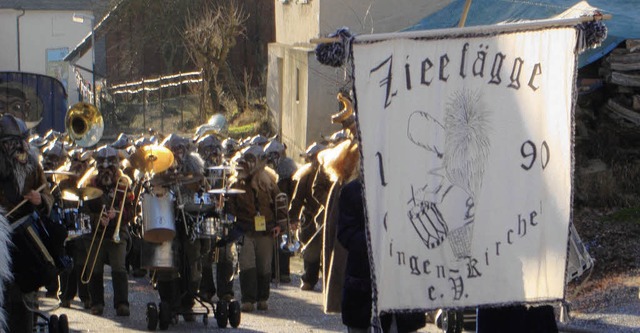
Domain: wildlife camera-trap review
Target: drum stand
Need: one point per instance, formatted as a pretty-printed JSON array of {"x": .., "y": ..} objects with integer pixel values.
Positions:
[{"x": 163, "y": 315}]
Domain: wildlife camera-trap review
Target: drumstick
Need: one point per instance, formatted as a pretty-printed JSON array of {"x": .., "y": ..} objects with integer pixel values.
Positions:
[{"x": 25, "y": 200}]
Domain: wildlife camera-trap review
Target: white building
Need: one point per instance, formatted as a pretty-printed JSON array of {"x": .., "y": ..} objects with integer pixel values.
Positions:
[
  {"x": 301, "y": 92},
  {"x": 37, "y": 34}
]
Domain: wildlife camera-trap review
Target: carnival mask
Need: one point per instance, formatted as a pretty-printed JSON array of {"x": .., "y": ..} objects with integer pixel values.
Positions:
[
  {"x": 107, "y": 176},
  {"x": 16, "y": 148},
  {"x": 179, "y": 152},
  {"x": 249, "y": 161},
  {"x": 50, "y": 162},
  {"x": 78, "y": 166}
]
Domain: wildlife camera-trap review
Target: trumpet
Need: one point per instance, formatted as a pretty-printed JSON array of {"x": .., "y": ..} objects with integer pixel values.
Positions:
[{"x": 122, "y": 186}]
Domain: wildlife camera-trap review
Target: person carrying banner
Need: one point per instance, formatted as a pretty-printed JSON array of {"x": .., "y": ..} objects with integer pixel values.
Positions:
[
  {"x": 23, "y": 185},
  {"x": 302, "y": 210},
  {"x": 357, "y": 291},
  {"x": 338, "y": 166}
]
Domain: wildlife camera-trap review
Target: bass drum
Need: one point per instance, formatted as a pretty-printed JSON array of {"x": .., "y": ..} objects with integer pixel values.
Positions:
[
  {"x": 158, "y": 223},
  {"x": 161, "y": 256}
]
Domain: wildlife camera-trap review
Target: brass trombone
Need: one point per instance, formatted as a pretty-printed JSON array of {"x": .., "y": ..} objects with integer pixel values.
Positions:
[{"x": 122, "y": 186}]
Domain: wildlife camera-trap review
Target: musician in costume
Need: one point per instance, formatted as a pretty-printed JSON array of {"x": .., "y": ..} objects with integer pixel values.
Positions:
[
  {"x": 302, "y": 211},
  {"x": 54, "y": 158},
  {"x": 339, "y": 165},
  {"x": 210, "y": 149},
  {"x": 229, "y": 148},
  {"x": 112, "y": 182},
  {"x": 257, "y": 220},
  {"x": 70, "y": 284},
  {"x": 179, "y": 288},
  {"x": 20, "y": 177},
  {"x": 285, "y": 167},
  {"x": 125, "y": 145}
]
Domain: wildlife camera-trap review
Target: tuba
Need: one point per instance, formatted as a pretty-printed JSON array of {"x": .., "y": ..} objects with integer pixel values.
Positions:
[
  {"x": 217, "y": 125},
  {"x": 84, "y": 124}
]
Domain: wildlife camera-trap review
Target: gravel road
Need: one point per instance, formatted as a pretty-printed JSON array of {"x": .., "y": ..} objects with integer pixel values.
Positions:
[{"x": 611, "y": 306}]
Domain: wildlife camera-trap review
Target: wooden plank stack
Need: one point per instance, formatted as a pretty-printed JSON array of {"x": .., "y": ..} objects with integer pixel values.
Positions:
[{"x": 621, "y": 69}]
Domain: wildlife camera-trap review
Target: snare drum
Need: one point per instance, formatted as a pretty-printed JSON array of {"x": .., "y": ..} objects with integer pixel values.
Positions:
[
  {"x": 208, "y": 228},
  {"x": 158, "y": 223},
  {"x": 77, "y": 224}
]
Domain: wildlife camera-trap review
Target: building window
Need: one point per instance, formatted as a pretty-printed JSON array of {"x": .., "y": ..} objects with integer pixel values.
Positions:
[{"x": 297, "y": 85}]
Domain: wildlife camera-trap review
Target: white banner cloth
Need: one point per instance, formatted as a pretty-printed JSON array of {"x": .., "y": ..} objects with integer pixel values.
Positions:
[{"x": 467, "y": 161}]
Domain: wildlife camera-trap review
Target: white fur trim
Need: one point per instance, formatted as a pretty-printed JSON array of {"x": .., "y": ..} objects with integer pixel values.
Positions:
[{"x": 5, "y": 262}]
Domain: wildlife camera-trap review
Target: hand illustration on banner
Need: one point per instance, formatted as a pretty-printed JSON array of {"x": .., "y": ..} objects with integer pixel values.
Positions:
[{"x": 464, "y": 153}]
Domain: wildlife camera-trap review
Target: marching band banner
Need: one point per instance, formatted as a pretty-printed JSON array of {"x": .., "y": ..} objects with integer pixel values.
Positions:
[{"x": 467, "y": 162}]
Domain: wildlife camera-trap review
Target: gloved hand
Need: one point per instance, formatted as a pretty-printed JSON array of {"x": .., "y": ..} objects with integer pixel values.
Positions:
[
  {"x": 233, "y": 236},
  {"x": 222, "y": 242}
]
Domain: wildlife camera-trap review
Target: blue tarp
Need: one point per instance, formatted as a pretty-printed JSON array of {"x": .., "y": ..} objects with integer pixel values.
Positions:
[{"x": 622, "y": 26}]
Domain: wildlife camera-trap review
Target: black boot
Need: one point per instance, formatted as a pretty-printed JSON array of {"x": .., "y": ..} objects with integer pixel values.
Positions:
[
  {"x": 310, "y": 275},
  {"x": 96, "y": 290},
  {"x": 249, "y": 285},
  {"x": 264, "y": 286},
  {"x": 120, "y": 292}
]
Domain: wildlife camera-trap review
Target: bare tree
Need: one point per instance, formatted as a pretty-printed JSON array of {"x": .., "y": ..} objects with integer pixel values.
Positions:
[
  {"x": 147, "y": 31},
  {"x": 209, "y": 36}
]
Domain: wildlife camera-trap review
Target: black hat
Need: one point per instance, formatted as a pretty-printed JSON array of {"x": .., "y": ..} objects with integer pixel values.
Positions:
[{"x": 11, "y": 126}]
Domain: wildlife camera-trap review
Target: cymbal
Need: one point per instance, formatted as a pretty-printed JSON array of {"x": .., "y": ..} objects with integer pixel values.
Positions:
[
  {"x": 220, "y": 167},
  {"x": 226, "y": 191},
  {"x": 152, "y": 158},
  {"x": 195, "y": 208},
  {"x": 169, "y": 179},
  {"x": 57, "y": 172},
  {"x": 83, "y": 193}
]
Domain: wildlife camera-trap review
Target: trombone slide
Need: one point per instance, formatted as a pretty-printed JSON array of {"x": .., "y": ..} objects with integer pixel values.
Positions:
[{"x": 94, "y": 249}]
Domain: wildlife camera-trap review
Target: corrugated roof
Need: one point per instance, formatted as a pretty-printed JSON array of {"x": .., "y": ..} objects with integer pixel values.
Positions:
[{"x": 49, "y": 4}]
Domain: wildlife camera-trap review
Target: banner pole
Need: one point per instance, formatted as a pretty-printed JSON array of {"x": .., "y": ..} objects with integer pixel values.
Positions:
[{"x": 463, "y": 18}]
